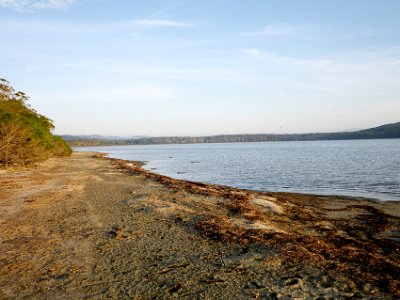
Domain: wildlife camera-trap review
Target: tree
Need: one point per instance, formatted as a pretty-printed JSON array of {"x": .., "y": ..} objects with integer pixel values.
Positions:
[{"x": 25, "y": 135}]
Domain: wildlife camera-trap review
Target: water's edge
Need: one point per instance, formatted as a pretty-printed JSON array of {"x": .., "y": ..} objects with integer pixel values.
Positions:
[
  {"x": 138, "y": 166},
  {"x": 358, "y": 169}
]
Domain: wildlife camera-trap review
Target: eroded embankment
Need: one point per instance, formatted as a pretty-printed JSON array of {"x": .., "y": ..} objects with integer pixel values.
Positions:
[{"x": 86, "y": 227}]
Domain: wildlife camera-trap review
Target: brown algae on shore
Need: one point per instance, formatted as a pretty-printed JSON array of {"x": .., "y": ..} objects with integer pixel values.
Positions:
[
  {"x": 361, "y": 240},
  {"x": 82, "y": 227}
]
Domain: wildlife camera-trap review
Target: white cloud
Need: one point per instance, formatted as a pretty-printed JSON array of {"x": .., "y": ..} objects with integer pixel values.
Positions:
[
  {"x": 33, "y": 27},
  {"x": 136, "y": 24},
  {"x": 164, "y": 73},
  {"x": 160, "y": 23},
  {"x": 251, "y": 51},
  {"x": 138, "y": 93},
  {"x": 276, "y": 30},
  {"x": 313, "y": 63},
  {"x": 52, "y": 4},
  {"x": 356, "y": 78},
  {"x": 274, "y": 58},
  {"x": 36, "y": 5}
]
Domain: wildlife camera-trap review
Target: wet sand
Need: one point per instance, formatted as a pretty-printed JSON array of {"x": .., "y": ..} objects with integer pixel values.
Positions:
[{"x": 89, "y": 227}]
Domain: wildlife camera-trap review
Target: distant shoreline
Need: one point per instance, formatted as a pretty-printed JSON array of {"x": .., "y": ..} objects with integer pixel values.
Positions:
[{"x": 388, "y": 131}]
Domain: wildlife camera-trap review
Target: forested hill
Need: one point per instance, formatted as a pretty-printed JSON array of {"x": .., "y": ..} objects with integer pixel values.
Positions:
[
  {"x": 381, "y": 132},
  {"x": 388, "y": 131}
]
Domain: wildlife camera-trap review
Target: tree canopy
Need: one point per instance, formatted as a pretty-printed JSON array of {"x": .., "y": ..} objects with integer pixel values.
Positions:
[{"x": 25, "y": 135}]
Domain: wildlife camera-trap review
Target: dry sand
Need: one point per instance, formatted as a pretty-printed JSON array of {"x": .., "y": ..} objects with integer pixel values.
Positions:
[{"x": 87, "y": 227}]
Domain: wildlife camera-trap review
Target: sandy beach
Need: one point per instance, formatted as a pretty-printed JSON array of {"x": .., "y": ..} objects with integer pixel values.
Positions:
[{"x": 89, "y": 227}]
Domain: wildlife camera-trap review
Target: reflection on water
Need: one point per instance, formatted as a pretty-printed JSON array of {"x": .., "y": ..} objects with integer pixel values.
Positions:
[{"x": 365, "y": 168}]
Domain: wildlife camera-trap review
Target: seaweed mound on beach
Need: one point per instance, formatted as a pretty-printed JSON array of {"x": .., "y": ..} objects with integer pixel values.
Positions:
[{"x": 352, "y": 239}]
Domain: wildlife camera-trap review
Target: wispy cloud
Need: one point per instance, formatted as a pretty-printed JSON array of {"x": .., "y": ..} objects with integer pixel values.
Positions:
[
  {"x": 164, "y": 73},
  {"x": 55, "y": 27},
  {"x": 36, "y": 5},
  {"x": 274, "y": 58},
  {"x": 251, "y": 51},
  {"x": 160, "y": 23},
  {"x": 361, "y": 77},
  {"x": 115, "y": 94},
  {"x": 276, "y": 30}
]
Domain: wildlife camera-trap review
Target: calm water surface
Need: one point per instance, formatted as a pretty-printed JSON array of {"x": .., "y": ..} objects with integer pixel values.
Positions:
[{"x": 361, "y": 168}]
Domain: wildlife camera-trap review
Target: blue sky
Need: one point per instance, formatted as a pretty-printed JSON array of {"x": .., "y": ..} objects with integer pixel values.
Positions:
[{"x": 186, "y": 67}]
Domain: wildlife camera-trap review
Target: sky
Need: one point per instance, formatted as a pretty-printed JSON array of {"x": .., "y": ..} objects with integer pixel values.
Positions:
[{"x": 204, "y": 67}]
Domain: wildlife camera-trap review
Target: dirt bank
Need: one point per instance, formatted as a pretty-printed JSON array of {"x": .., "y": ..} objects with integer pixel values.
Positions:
[{"x": 86, "y": 227}]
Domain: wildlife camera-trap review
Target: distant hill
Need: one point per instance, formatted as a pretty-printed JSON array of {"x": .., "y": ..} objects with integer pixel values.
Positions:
[{"x": 387, "y": 131}]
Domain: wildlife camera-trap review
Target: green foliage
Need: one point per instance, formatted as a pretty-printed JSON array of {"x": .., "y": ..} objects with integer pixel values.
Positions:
[{"x": 25, "y": 135}]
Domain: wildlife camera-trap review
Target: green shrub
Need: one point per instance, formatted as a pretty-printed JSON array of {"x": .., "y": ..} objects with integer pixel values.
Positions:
[{"x": 25, "y": 135}]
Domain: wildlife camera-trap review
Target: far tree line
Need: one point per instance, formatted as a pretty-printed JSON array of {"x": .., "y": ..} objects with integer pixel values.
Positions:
[{"x": 384, "y": 131}]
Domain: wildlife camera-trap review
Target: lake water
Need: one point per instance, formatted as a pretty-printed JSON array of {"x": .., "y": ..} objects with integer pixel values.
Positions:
[{"x": 360, "y": 168}]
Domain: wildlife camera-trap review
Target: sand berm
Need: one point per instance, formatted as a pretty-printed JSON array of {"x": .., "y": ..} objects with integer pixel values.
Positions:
[{"x": 90, "y": 227}]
